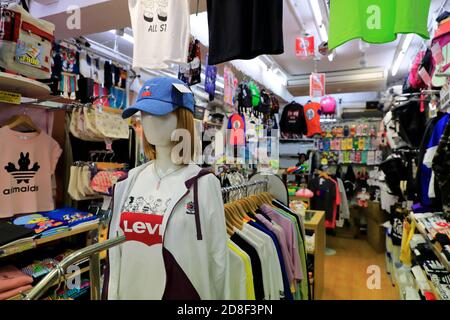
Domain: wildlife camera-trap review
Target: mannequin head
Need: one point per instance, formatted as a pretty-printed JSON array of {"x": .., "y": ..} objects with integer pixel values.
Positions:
[{"x": 159, "y": 130}]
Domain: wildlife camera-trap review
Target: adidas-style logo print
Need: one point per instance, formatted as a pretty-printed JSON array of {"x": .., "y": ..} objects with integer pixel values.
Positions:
[{"x": 24, "y": 173}]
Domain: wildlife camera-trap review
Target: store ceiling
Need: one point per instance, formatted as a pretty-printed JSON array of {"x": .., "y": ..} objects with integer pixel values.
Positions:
[{"x": 372, "y": 68}]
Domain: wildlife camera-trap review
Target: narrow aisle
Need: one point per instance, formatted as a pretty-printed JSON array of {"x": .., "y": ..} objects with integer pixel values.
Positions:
[{"x": 346, "y": 272}]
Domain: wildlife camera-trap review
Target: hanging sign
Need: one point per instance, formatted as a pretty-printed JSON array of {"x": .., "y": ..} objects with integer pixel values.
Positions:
[
  {"x": 304, "y": 47},
  {"x": 230, "y": 86},
  {"x": 317, "y": 85},
  {"x": 10, "y": 97}
]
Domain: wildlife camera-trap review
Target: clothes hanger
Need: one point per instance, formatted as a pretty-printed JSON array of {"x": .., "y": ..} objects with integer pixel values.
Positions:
[{"x": 22, "y": 120}]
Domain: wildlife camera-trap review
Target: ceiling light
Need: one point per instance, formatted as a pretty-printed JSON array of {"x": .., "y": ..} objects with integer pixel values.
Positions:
[
  {"x": 315, "y": 7},
  {"x": 125, "y": 36},
  {"x": 405, "y": 46}
]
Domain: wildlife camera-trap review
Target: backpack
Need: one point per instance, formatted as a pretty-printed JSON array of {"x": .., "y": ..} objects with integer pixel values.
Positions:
[{"x": 25, "y": 43}]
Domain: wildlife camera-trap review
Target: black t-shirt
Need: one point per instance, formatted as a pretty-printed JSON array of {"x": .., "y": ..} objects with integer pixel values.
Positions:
[
  {"x": 293, "y": 119},
  {"x": 324, "y": 196},
  {"x": 258, "y": 283},
  {"x": 244, "y": 29}
]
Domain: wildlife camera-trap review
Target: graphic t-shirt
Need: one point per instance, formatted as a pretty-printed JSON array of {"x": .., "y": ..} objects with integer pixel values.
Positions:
[
  {"x": 161, "y": 32},
  {"x": 27, "y": 163},
  {"x": 376, "y": 21},
  {"x": 236, "y": 130},
  {"x": 293, "y": 119},
  {"x": 312, "y": 117},
  {"x": 142, "y": 223}
]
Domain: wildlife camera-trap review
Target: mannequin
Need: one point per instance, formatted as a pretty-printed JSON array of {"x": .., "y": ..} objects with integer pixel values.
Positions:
[
  {"x": 170, "y": 211},
  {"x": 158, "y": 132}
]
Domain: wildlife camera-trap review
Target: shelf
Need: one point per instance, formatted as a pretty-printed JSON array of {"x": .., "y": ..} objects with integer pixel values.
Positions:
[
  {"x": 8, "y": 251},
  {"x": 433, "y": 246},
  {"x": 26, "y": 87}
]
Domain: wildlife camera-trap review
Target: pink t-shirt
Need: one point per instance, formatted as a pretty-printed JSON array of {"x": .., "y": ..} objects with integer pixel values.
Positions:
[{"x": 27, "y": 163}]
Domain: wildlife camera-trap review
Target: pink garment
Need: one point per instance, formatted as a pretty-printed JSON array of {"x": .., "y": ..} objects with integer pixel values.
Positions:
[
  {"x": 12, "y": 278},
  {"x": 105, "y": 180},
  {"x": 304, "y": 193},
  {"x": 41, "y": 117},
  {"x": 14, "y": 292},
  {"x": 27, "y": 163},
  {"x": 283, "y": 245},
  {"x": 291, "y": 238}
]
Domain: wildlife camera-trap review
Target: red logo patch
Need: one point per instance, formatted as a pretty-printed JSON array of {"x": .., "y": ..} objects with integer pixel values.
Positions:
[
  {"x": 147, "y": 92},
  {"x": 145, "y": 228}
]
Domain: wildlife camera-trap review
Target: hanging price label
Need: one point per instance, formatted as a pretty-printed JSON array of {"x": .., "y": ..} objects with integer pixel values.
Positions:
[
  {"x": 445, "y": 97},
  {"x": 304, "y": 47},
  {"x": 317, "y": 85},
  {"x": 10, "y": 97}
]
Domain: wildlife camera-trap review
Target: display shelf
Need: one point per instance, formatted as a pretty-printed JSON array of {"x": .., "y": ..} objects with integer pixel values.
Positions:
[
  {"x": 8, "y": 251},
  {"x": 433, "y": 246},
  {"x": 26, "y": 87}
]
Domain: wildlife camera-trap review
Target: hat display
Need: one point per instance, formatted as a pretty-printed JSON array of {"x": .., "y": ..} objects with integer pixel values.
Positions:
[{"x": 161, "y": 96}]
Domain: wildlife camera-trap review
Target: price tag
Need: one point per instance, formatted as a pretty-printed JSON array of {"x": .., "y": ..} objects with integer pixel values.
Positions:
[
  {"x": 10, "y": 97},
  {"x": 437, "y": 53},
  {"x": 445, "y": 97}
]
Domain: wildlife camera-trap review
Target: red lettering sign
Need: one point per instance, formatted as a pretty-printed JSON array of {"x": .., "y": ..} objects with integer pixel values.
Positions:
[{"x": 145, "y": 228}]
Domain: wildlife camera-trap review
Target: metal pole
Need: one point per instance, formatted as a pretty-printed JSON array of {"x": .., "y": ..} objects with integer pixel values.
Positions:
[
  {"x": 75, "y": 257},
  {"x": 94, "y": 276}
]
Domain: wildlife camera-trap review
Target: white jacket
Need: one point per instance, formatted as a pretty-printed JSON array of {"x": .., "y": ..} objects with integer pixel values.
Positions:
[{"x": 194, "y": 245}]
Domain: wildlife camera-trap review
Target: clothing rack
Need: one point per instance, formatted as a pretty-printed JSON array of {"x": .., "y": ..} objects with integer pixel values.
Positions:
[{"x": 259, "y": 185}]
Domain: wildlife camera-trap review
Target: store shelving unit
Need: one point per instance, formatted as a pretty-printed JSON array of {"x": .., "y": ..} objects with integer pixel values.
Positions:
[
  {"x": 23, "y": 86},
  {"x": 433, "y": 246},
  {"x": 15, "y": 249}
]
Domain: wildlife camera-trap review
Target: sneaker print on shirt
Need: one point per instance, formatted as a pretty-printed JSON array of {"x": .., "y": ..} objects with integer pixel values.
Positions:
[{"x": 155, "y": 13}]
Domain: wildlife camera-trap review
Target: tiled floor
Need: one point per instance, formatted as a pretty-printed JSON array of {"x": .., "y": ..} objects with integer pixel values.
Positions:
[{"x": 346, "y": 272}]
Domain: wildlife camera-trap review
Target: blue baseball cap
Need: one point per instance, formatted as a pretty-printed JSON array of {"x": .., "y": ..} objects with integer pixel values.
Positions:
[{"x": 161, "y": 96}]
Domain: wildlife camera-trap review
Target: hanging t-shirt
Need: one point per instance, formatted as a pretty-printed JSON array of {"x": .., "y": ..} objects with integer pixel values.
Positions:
[
  {"x": 376, "y": 21},
  {"x": 324, "y": 197},
  {"x": 293, "y": 119},
  {"x": 147, "y": 206},
  {"x": 244, "y": 29},
  {"x": 161, "y": 32},
  {"x": 236, "y": 130},
  {"x": 28, "y": 161},
  {"x": 210, "y": 80},
  {"x": 312, "y": 117}
]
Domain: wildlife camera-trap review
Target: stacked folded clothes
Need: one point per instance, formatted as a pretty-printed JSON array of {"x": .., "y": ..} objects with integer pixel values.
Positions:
[
  {"x": 42, "y": 225},
  {"x": 10, "y": 233},
  {"x": 72, "y": 217},
  {"x": 13, "y": 282},
  {"x": 39, "y": 269}
]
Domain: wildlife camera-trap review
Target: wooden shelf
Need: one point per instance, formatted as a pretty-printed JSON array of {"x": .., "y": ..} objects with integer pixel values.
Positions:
[
  {"x": 26, "y": 87},
  {"x": 33, "y": 244},
  {"x": 433, "y": 246}
]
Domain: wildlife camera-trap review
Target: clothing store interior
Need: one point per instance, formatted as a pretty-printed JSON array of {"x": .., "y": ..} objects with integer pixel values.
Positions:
[{"x": 238, "y": 150}]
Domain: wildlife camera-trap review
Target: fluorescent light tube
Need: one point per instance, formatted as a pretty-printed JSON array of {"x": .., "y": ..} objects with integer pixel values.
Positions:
[
  {"x": 315, "y": 7},
  {"x": 405, "y": 46}
]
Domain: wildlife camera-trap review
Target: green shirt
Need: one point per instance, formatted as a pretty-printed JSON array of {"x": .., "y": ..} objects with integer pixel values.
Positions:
[{"x": 376, "y": 21}]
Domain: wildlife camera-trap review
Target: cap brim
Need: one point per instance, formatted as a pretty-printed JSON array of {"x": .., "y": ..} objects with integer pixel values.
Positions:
[{"x": 153, "y": 107}]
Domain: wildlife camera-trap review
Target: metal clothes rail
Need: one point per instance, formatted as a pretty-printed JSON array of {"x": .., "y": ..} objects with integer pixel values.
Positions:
[{"x": 92, "y": 253}]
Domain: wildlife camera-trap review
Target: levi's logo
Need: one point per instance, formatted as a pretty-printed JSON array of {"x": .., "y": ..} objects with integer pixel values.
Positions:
[{"x": 145, "y": 228}]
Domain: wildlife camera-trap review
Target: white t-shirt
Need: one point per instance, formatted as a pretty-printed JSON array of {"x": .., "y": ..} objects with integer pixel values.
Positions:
[
  {"x": 161, "y": 32},
  {"x": 148, "y": 266}
]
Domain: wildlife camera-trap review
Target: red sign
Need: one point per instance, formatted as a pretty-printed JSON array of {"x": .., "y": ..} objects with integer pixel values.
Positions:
[
  {"x": 304, "y": 47},
  {"x": 145, "y": 228},
  {"x": 317, "y": 85}
]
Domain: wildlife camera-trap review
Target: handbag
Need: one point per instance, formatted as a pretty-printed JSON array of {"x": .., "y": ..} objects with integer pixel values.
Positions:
[
  {"x": 25, "y": 43},
  {"x": 112, "y": 125}
]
